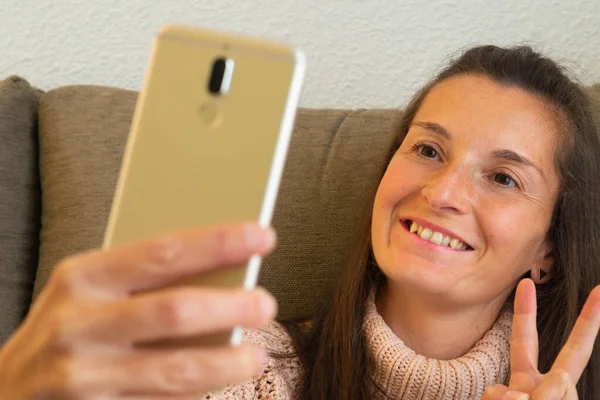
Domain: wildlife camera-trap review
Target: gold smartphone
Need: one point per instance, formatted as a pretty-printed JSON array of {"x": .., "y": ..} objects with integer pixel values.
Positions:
[{"x": 207, "y": 143}]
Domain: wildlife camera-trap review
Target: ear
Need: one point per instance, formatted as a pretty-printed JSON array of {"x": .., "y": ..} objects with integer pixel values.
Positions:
[{"x": 541, "y": 272}]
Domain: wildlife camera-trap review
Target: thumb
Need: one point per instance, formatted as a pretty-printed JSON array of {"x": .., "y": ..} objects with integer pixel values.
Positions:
[{"x": 501, "y": 392}]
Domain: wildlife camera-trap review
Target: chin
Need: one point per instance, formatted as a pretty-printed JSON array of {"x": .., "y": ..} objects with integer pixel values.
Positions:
[{"x": 434, "y": 278}]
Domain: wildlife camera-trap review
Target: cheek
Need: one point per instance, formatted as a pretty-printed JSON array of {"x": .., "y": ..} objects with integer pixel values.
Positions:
[
  {"x": 513, "y": 234},
  {"x": 498, "y": 223},
  {"x": 395, "y": 188},
  {"x": 401, "y": 179},
  {"x": 514, "y": 225}
]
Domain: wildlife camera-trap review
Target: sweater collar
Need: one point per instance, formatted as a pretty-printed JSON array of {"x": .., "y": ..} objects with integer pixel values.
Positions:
[{"x": 404, "y": 374}]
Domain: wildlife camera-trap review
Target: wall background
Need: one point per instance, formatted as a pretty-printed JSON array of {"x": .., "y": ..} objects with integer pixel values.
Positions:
[{"x": 360, "y": 53}]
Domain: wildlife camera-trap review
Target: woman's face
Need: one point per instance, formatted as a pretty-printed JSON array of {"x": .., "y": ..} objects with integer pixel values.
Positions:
[{"x": 476, "y": 168}]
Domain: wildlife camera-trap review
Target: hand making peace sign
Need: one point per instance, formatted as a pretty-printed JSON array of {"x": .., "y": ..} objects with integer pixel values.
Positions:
[{"x": 526, "y": 382}]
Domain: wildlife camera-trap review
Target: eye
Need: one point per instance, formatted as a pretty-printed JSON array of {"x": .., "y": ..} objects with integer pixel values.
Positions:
[
  {"x": 426, "y": 151},
  {"x": 505, "y": 180}
]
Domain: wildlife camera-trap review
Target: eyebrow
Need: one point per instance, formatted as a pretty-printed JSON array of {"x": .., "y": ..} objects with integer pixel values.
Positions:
[
  {"x": 434, "y": 127},
  {"x": 507, "y": 155}
]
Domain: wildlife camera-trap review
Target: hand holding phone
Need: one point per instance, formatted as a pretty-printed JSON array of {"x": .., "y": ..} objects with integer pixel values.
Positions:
[{"x": 80, "y": 338}]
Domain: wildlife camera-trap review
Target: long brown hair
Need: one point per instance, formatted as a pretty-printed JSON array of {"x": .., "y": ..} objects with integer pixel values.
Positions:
[{"x": 332, "y": 348}]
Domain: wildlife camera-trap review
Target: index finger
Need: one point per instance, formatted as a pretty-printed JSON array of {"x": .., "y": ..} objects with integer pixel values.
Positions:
[
  {"x": 167, "y": 259},
  {"x": 576, "y": 353},
  {"x": 524, "y": 338}
]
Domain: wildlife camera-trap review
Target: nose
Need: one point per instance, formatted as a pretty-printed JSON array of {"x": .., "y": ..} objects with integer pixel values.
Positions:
[{"x": 449, "y": 190}]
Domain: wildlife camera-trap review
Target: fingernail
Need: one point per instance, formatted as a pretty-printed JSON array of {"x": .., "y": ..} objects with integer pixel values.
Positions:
[
  {"x": 253, "y": 233},
  {"x": 268, "y": 304},
  {"x": 513, "y": 395},
  {"x": 262, "y": 357},
  {"x": 270, "y": 236},
  {"x": 257, "y": 236}
]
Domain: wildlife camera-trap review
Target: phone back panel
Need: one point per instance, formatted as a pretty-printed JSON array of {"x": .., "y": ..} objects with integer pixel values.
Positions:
[{"x": 194, "y": 159}]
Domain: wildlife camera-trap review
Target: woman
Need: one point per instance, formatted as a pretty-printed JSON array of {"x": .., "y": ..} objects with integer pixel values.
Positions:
[
  {"x": 500, "y": 151},
  {"x": 495, "y": 178}
]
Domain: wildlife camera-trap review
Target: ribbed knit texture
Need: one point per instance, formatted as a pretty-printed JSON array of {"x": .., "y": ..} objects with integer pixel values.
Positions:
[
  {"x": 401, "y": 372},
  {"x": 409, "y": 376}
]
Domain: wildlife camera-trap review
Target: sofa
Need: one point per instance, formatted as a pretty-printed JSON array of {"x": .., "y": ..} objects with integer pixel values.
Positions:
[{"x": 60, "y": 154}]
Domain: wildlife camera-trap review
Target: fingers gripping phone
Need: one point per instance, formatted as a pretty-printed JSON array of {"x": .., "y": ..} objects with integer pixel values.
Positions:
[{"x": 207, "y": 143}]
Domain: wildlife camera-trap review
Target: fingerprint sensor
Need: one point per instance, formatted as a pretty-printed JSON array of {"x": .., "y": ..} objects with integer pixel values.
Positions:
[{"x": 210, "y": 114}]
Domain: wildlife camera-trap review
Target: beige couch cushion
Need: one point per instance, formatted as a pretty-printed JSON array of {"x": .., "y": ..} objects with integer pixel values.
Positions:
[
  {"x": 334, "y": 161},
  {"x": 19, "y": 200}
]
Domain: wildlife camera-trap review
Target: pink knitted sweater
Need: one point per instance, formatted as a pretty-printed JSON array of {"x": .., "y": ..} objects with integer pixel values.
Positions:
[{"x": 400, "y": 371}]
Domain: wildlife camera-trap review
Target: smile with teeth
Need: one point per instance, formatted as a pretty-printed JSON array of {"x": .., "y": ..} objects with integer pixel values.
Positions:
[{"x": 436, "y": 237}]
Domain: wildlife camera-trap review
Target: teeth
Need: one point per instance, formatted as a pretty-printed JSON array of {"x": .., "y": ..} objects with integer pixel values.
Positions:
[
  {"x": 446, "y": 241},
  {"x": 413, "y": 227},
  {"x": 426, "y": 234},
  {"x": 436, "y": 237}
]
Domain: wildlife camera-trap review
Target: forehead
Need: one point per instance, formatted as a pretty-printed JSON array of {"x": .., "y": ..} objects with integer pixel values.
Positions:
[{"x": 480, "y": 112}]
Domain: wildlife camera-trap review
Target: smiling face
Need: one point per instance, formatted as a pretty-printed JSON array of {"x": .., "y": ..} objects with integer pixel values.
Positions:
[{"x": 475, "y": 177}]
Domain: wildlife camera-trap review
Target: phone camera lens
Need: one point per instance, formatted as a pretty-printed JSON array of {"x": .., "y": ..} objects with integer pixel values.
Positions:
[{"x": 220, "y": 76}]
